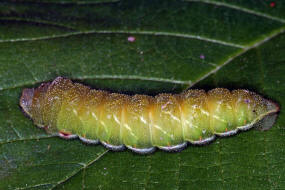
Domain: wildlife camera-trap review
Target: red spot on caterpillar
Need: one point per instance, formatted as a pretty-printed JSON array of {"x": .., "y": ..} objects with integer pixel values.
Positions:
[
  {"x": 272, "y": 4},
  {"x": 64, "y": 134},
  {"x": 131, "y": 39},
  {"x": 244, "y": 121},
  {"x": 226, "y": 129},
  {"x": 200, "y": 138}
]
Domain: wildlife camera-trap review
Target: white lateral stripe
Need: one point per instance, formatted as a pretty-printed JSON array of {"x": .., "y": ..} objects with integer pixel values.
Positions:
[
  {"x": 205, "y": 112},
  {"x": 74, "y": 111},
  {"x": 143, "y": 120},
  {"x": 159, "y": 128},
  {"x": 128, "y": 127},
  {"x": 218, "y": 118},
  {"x": 116, "y": 119},
  {"x": 172, "y": 116},
  {"x": 104, "y": 125},
  {"x": 94, "y": 115},
  {"x": 175, "y": 118}
]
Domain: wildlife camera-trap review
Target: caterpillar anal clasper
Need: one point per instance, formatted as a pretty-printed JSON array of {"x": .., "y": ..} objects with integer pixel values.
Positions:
[{"x": 141, "y": 122}]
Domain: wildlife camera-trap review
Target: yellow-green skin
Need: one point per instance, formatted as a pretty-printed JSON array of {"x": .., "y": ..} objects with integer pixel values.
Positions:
[{"x": 141, "y": 122}]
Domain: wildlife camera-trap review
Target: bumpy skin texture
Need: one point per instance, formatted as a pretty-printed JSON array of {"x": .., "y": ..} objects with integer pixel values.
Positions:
[{"x": 140, "y": 122}]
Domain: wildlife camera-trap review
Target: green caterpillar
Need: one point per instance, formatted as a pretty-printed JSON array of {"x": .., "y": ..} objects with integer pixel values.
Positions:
[{"x": 140, "y": 122}]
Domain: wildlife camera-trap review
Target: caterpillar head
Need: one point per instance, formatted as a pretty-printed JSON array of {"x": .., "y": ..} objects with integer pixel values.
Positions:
[
  {"x": 27, "y": 100},
  {"x": 31, "y": 99}
]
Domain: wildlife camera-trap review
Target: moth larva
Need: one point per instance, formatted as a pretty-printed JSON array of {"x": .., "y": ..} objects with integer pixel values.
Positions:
[{"x": 140, "y": 122}]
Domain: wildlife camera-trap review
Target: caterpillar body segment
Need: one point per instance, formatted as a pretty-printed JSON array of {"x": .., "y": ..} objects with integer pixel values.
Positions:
[{"x": 140, "y": 122}]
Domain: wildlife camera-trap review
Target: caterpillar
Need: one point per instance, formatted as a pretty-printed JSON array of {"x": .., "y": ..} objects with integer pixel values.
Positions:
[{"x": 140, "y": 122}]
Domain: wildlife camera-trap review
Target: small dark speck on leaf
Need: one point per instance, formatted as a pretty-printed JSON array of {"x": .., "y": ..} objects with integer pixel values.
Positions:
[
  {"x": 272, "y": 4},
  {"x": 131, "y": 39}
]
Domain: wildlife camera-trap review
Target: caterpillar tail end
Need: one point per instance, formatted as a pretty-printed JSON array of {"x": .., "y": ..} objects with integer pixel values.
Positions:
[
  {"x": 26, "y": 100},
  {"x": 269, "y": 119},
  {"x": 267, "y": 122}
]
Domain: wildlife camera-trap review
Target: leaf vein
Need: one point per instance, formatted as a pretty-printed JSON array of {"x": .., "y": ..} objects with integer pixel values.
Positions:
[
  {"x": 78, "y": 2},
  {"x": 15, "y": 130},
  {"x": 82, "y": 168},
  {"x": 239, "y": 53},
  {"x": 33, "y": 186},
  {"x": 23, "y": 139},
  {"x": 43, "y": 22},
  {"x": 154, "y": 33},
  {"x": 121, "y": 77},
  {"x": 239, "y": 8}
]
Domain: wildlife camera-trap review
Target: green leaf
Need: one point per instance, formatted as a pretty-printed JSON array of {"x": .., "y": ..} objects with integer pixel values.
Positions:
[{"x": 177, "y": 45}]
